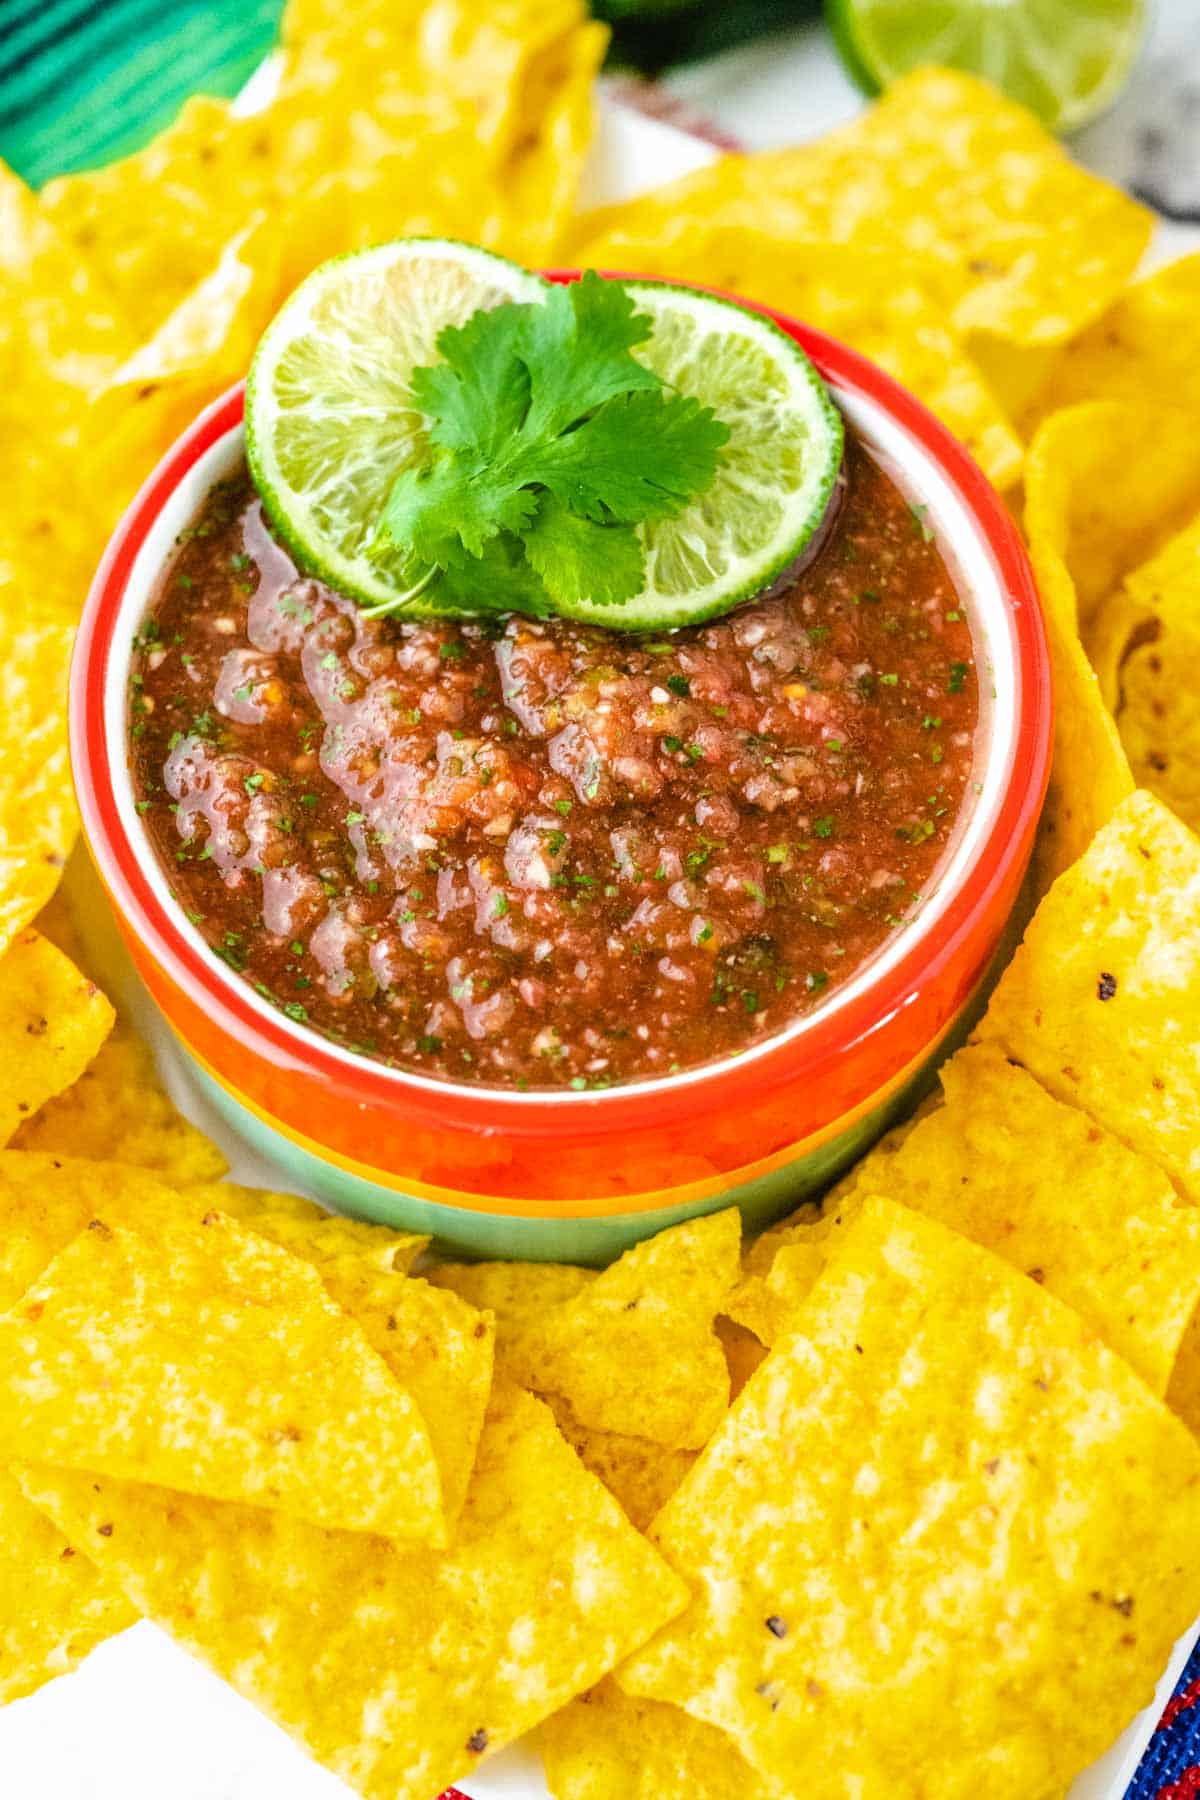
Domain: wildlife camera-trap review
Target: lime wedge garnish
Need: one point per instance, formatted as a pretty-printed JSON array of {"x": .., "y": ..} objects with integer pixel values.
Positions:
[
  {"x": 776, "y": 474},
  {"x": 329, "y": 419},
  {"x": 1065, "y": 62}
]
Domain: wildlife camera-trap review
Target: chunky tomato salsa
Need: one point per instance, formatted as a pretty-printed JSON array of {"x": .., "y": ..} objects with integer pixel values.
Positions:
[{"x": 536, "y": 854}]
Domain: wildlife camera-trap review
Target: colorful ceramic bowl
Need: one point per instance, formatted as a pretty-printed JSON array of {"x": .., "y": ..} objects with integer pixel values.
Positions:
[{"x": 580, "y": 1176}]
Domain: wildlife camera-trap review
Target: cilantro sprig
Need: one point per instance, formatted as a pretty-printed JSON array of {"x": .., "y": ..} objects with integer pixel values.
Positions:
[{"x": 550, "y": 444}]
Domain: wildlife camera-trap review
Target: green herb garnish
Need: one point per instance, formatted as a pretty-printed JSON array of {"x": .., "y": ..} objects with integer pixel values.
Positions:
[{"x": 551, "y": 443}]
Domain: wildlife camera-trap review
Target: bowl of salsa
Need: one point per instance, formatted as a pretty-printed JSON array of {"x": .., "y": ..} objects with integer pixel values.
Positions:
[{"x": 541, "y": 936}]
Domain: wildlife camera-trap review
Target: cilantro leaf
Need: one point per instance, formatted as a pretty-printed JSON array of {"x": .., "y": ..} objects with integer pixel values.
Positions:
[
  {"x": 455, "y": 500},
  {"x": 580, "y": 560},
  {"x": 502, "y": 580},
  {"x": 640, "y": 456},
  {"x": 478, "y": 396},
  {"x": 549, "y": 444},
  {"x": 577, "y": 347}
]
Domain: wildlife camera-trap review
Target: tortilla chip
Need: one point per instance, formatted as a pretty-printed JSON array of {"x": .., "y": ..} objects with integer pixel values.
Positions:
[
  {"x": 1155, "y": 625},
  {"x": 1090, "y": 774},
  {"x": 1101, "y": 1001},
  {"x": 1097, "y": 1225},
  {"x": 859, "y": 295},
  {"x": 211, "y": 172},
  {"x": 38, "y": 820},
  {"x": 213, "y": 1362},
  {"x": 517, "y": 1293},
  {"x": 608, "y": 1746},
  {"x": 53, "y": 1020},
  {"x": 438, "y": 1348},
  {"x": 55, "y": 1605},
  {"x": 939, "y": 1484},
  {"x": 1141, "y": 349},
  {"x": 199, "y": 349},
  {"x": 550, "y": 132},
  {"x": 47, "y": 1200},
  {"x": 118, "y": 1111},
  {"x": 945, "y": 175},
  {"x": 641, "y": 1475},
  {"x": 399, "y": 1669},
  {"x": 1078, "y": 461},
  {"x": 652, "y": 1311},
  {"x": 307, "y": 1230}
]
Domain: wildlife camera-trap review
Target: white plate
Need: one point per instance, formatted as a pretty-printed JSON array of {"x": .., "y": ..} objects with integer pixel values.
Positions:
[{"x": 141, "y": 1720}]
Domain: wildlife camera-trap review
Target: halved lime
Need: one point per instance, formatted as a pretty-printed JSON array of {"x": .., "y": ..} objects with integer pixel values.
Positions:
[
  {"x": 776, "y": 475},
  {"x": 1064, "y": 59},
  {"x": 329, "y": 417}
]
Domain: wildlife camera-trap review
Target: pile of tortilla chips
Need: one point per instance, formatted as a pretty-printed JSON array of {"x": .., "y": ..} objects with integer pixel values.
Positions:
[{"x": 904, "y": 1497}]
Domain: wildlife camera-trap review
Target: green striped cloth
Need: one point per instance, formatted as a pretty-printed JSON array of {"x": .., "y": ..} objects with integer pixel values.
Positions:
[{"x": 84, "y": 81}]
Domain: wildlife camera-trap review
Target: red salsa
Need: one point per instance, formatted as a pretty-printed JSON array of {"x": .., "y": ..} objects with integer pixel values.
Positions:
[{"x": 536, "y": 854}]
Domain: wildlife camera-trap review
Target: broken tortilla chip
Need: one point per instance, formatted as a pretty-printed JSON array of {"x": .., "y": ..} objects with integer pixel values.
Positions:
[{"x": 652, "y": 1311}]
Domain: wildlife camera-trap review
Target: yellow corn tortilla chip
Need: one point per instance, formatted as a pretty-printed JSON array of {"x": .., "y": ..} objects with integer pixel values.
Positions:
[
  {"x": 1101, "y": 1000},
  {"x": 398, "y": 1669},
  {"x": 1078, "y": 461},
  {"x": 200, "y": 348},
  {"x": 1011, "y": 237},
  {"x": 1156, "y": 652},
  {"x": 60, "y": 335},
  {"x": 55, "y": 1605},
  {"x": 608, "y": 1746},
  {"x": 1048, "y": 1189},
  {"x": 1140, "y": 350},
  {"x": 38, "y": 820},
  {"x": 215, "y": 1363},
  {"x": 652, "y": 1311},
  {"x": 211, "y": 172},
  {"x": 118, "y": 1111},
  {"x": 540, "y": 183},
  {"x": 1090, "y": 774},
  {"x": 47, "y": 1200},
  {"x": 516, "y": 1293},
  {"x": 858, "y": 295},
  {"x": 307, "y": 1230},
  {"x": 53, "y": 1020},
  {"x": 641, "y": 1475},
  {"x": 438, "y": 1348},
  {"x": 938, "y": 1484}
]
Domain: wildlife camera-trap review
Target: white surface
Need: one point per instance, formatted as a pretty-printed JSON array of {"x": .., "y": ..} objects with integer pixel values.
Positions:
[{"x": 141, "y": 1720}]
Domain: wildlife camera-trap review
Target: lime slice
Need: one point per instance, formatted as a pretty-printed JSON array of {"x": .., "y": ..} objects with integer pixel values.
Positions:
[
  {"x": 329, "y": 419},
  {"x": 1066, "y": 62},
  {"x": 776, "y": 476}
]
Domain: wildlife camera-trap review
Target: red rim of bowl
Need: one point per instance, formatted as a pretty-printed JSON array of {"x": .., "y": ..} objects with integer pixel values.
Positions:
[{"x": 548, "y": 1115}]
